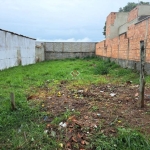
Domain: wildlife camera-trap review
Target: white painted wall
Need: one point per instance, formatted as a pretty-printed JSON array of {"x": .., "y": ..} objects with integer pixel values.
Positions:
[{"x": 15, "y": 48}]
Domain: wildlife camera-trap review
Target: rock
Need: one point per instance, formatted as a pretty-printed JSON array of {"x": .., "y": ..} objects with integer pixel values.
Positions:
[
  {"x": 64, "y": 125},
  {"x": 112, "y": 94},
  {"x": 80, "y": 91}
]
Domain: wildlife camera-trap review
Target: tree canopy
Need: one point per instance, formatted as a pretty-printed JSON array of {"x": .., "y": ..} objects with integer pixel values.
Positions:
[
  {"x": 104, "y": 30},
  {"x": 131, "y": 5}
]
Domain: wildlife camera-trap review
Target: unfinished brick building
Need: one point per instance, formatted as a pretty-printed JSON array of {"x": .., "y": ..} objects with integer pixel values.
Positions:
[{"x": 124, "y": 31}]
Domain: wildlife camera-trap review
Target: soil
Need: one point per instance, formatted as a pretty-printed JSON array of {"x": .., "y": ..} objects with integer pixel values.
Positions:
[{"x": 102, "y": 108}]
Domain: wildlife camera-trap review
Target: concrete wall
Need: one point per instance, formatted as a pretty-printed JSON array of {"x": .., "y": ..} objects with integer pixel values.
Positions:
[
  {"x": 62, "y": 50},
  {"x": 124, "y": 28},
  {"x": 15, "y": 49},
  {"x": 39, "y": 52},
  {"x": 143, "y": 10}
]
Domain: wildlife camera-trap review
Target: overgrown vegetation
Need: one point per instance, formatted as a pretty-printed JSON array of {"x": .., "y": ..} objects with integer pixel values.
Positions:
[
  {"x": 24, "y": 128},
  {"x": 127, "y": 139},
  {"x": 105, "y": 67}
]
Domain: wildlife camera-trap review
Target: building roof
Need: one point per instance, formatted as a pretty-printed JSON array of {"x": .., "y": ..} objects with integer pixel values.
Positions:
[
  {"x": 17, "y": 34},
  {"x": 144, "y": 18}
]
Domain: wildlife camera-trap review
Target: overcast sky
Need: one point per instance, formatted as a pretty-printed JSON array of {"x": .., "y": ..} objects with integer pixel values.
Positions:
[{"x": 58, "y": 20}]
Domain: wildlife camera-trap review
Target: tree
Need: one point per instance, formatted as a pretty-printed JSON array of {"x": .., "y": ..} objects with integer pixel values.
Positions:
[
  {"x": 131, "y": 6},
  {"x": 104, "y": 28},
  {"x": 144, "y": 3},
  {"x": 127, "y": 8}
]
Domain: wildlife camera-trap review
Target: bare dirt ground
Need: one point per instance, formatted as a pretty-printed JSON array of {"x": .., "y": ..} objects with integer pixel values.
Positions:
[{"x": 101, "y": 108}]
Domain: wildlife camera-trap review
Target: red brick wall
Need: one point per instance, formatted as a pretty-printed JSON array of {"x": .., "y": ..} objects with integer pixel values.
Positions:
[
  {"x": 127, "y": 46},
  {"x": 115, "y": 45},
  {"x": 136, "y": 33},
  {"x": 131, "y": 31},
  {"x": 148, "y": 44},
  {"x": 123, "y": 46},
  {"x": 110, "y": 21},
  {"x": 100, "y": 48},
  {"x": 133, "y": 14},
  {"x": 109, "y": 50}
]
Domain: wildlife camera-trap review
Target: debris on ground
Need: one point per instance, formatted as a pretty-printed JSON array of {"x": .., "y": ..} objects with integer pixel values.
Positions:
[{"x": 98, "y": 108}]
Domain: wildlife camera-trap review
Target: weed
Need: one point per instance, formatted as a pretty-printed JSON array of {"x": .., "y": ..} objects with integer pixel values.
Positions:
[
  {"x": 94, "y": 108},
  {"x": 104, "y": 67},
  {"x": 126, "y": 139}
]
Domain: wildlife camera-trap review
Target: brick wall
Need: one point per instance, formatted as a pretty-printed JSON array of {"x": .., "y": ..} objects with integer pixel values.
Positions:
[
  {"x": 148, "y": 44},
  {"x": 123, "y": 46},
  {"x": 110, "y": 21},
  {"x": 115, "y": 45},
  {"x": 109, "y": 48},
  {"x": 100, "y": 48},
  {"x": 133, "y": 14},
  {"x": 127, "y": 45}
]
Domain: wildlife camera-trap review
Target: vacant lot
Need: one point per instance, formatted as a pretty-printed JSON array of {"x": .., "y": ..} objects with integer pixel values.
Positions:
[{"x": 76, "y": 104}]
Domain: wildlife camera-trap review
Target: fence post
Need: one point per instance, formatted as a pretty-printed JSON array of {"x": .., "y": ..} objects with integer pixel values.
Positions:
[
  {"x": 12, "y": 100},
  {"x": 142, "y": 80}
]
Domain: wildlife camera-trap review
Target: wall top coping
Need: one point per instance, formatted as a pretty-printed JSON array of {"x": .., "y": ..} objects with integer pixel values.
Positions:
[{"x": 17, "y": 34}]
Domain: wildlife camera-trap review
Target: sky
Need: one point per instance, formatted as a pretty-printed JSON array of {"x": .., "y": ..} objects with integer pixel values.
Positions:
[{"x": 58, "y": 20}]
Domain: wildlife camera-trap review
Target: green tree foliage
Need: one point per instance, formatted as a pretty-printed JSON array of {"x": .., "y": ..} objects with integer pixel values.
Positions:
[
  {"x": 104, "y": 32},
  {"x": 131, "y": 6},
  {"x": 127, "y": 8}
]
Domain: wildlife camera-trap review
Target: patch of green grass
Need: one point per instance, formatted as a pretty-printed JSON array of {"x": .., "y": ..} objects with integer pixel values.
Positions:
[
  {"x": 147, "y": 78},
  {"x": 116, "y": 73},
  {"x": 24, "y": 127},
  {"x": 104, "y": 67},
  {"x": 126, "y": 139},
  {"x": 124, "y": 75}
]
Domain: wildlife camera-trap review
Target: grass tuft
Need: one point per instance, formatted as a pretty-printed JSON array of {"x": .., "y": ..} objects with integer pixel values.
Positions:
[{"x": 127, "y": 139}]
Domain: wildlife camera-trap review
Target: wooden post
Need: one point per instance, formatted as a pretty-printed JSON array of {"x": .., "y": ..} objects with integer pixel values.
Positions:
[
  {"x": 12, "y": 100},
  {"x": 142, "y": 80}
]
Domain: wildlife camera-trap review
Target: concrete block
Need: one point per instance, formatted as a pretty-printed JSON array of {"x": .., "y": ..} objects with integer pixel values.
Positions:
[
  {"x": 49, "y": 46},
  {"x": 68, "y": 47},
  {"x": 76, "y": 47},
  {"x": 58, "y": 46},
  {"x": 86, "y": 47}
]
